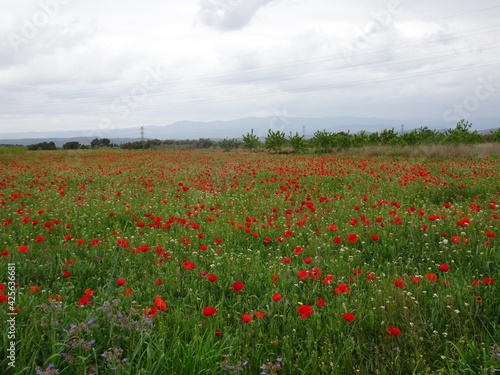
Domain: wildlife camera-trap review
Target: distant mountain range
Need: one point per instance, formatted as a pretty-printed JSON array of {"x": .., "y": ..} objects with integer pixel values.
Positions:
[{"x": 237, "y": 128}]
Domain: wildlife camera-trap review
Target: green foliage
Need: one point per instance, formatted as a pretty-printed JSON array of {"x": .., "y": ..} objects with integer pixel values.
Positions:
[
  {"x": 74, "y": 145},
  {"x": 322, "y": 141},
  {"x": 251, "y": 141},
  {"x": 297, "y": 142},
  {"x": 275, "y": 141},
  {"x": 387, "y": 135},
  {"x": 462, "y": 134},
  {"x": 100, "y": 142},
  {"x": 244, "y": 217},
  {"x": 495, "y": 136},
  {"x": 228, "y": 144},
  {"x": 9, "y": 149},
  {"x": 42, "y": 146},
  {"x": 360, "y": 139},
  {"x": 341, "y": 140}
]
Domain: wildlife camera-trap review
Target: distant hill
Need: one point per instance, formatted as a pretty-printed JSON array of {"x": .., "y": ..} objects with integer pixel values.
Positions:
[{"x": 181, "y": 130}]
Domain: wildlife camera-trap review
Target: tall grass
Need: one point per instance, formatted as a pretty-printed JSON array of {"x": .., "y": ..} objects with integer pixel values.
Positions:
[
  {"x": 366, "y": 235},
  {"x": 12, "y": 150}
]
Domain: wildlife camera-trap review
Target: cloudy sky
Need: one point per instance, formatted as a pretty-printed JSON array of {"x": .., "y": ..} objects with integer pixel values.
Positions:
[{"x": 70, "y": 65}]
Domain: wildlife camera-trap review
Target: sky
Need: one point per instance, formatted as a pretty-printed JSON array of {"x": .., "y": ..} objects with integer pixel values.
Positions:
[{"x": 85, "y": 65}]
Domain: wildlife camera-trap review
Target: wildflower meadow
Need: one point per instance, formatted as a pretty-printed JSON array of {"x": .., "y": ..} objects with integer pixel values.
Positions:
[{"x": 210, "y": 262}]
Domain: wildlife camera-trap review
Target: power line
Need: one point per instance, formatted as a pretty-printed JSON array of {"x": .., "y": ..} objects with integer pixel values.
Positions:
[
  {"x": 297, "y": 63},
  {"x": 291, "y": 91},
  {"x": 277, "y": 78}
]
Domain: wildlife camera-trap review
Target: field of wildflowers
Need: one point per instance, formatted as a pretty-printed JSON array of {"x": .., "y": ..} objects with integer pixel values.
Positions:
[{"x": 171, "y": 262}]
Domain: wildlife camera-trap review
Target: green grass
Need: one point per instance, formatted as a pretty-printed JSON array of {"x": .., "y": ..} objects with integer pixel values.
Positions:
[{"x": 167, "y": 204}]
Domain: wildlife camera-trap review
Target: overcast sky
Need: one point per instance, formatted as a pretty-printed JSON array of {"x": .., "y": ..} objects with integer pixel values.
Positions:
[{"x": 70, "y": 65}]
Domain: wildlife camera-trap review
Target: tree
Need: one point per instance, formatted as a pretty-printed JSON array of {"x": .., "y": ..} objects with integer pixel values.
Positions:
[
  {"x": 73, "y": 145},
  {"x": 360, "y": 139},
  {"x": 462, "y": 134},
  {"x": 251, "y": 141},
  {"x": 386, "y": 136},
  {"x": 495, "y": 136},
  {"x": 228, "y": 144},
  {"x": 297, "y": 142},
  {"x": 275, "y": 141},
  {"x": 342, "y": 140},
  {"x": 103, "y": 142},
  {"x": 323, "y": 141},
  {"x": 42, "y": 146}
]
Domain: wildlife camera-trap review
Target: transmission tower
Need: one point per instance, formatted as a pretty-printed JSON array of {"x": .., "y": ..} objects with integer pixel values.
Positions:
[{"x": 142, "y": 134}]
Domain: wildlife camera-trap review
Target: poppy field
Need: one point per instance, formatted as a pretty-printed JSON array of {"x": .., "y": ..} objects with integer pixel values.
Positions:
[{"x": 209, "y": 262}]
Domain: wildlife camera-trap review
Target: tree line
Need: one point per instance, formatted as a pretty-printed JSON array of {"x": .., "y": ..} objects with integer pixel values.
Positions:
[{"x": 277, "y": 141}]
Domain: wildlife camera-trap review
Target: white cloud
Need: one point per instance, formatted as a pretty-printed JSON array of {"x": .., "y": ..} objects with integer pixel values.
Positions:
[
  {"x": 224, "y": 59},
  {"x": 229, "y": 14}
]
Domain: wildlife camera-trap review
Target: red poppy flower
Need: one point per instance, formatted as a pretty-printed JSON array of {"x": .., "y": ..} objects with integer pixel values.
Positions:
[
  {"x": 415, "y": 279},
  {"x": 352, "y": 238},
  {"x": 212, "y": 278},
  {"x": 287, "y": 260},
  {"x": 237, "y": 286},
  {"x": 342, "y": 288},
  {"x": 127, "y": 292},
  {"x": 209, "y": 311},
  {"x": 246, "y": 318},
  {"x": 218, "y": 333},
  {"x": 394, "y": 331},
  {"x": 121, "y": 282},
  {"x": 275, "y": 279},
  {"x": 398, "y": 283},
  {"x": 188, "y": 266},
  {"x": 348, "y": 317},
  {"x": 307, "y": 260},
  {"x": 303, "y": 274},
  {"x": 357, "y": 272},
  {"x": 39, "y": 239},
  {"x": 432, "y": 277},
  {"x": 34, "y": 289},
  {"x": 56, "y": 297},
  {"x": 297, "y": 250},
  {"x": 444, "y": 267},
  {"x": 276, "y": 297},
  {"x": 476, "y": 282},
  {"x": 328, "y": 279},
  {"x": 320, "y": 302},
  {"x": 150, "y": 312},
  {"x": 337, "y": 240},
  {"x": 23, "y": 248},
  {"x": 305, "y": 311},
  {"x": 160, "y": 303},
  {"x": 488, "y": 281},
  {"x": 260, "y": 314},
  {"x": 370, "y": 276},
  {"x": 315, "y": 273},
  {"x": 85, "y": 300},
  {"x": 66, "y": 274}
]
